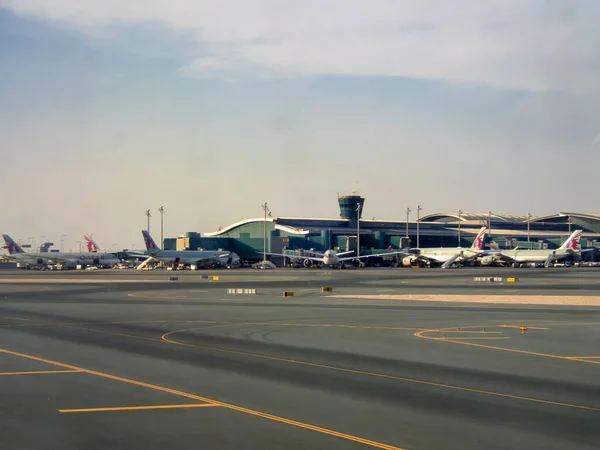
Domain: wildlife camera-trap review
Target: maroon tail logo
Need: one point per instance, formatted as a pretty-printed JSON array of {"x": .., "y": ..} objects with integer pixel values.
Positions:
[
  {"x": 574, "y": 242},
  {"x": 149, "y": 241}
]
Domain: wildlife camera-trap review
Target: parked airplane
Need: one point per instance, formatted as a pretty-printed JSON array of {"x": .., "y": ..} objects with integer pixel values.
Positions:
[
  {"x": 186, "y": 257},
  {"x": 446, "y": 256},
  {"x": 332, "y": 258},
  {"x": 61, "y": 259},
  {"x": 570, "y": 247}
]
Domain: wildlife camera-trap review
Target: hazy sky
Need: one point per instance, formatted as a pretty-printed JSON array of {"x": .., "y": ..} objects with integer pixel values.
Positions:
[{"x": 211, "y": 108}]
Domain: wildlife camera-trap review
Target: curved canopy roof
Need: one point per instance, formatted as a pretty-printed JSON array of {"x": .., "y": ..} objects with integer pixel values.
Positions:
[
  {"x": 241, "y": 223},
  {"x": 472, "y": 217}
]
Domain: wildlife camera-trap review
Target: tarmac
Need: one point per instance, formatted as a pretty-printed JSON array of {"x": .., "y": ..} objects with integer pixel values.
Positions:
[{"x": 134, "y": 360}]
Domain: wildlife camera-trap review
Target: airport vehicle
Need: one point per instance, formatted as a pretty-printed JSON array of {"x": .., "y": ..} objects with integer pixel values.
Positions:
[
  {"x": 192, "y": 258},
  {"x": 446, "y": 256},
  {"x": 264, "y": 265},
  {"x": 333, "y": 259},
  {"x": 61, "y": 259},
  {"x": 518, "y": 256}
]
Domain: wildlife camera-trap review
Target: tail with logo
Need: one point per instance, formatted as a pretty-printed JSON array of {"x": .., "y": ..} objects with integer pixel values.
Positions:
[
  {"x": 11, "y": 245},
  {"x": 150, "y": 244},
  {"x": 573, "y": 242},
  {"x": 91, "y": 245},
  {"x": 478, "y": 242}
]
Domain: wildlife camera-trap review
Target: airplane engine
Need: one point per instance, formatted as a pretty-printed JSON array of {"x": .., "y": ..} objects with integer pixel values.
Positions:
[
  {"x": 356, "y": 263},
  {"x": 307, "y": 263},
  {"x": 408, "y": 261},
  {"x": 487, "y": 260}
]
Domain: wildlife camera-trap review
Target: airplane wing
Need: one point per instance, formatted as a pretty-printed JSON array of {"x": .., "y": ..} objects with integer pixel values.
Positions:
[
  {"x": 453, "y": 258},
  {"x": 312, "y": 258},
  {"x": 371, "y": 256},
  {"x": 55, "y": 259}
]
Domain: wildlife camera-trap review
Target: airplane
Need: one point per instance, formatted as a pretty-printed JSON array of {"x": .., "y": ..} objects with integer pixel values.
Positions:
[
  {"x": 185, "y": 257},
  {"x": 332, "y": 258},
  {"x": 61, "y": 259},
  {"x": 570, "y": 247},
  {"x": 446, "y": 256}
]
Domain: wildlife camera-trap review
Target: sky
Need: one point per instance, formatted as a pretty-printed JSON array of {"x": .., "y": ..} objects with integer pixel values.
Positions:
[{"x": 211, "y": 108}]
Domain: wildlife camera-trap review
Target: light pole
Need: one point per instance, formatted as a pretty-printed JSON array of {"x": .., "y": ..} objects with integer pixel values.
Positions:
[
  {"x": 528, "y": 226},
  {"x": 148, "y": 215},
  {"x": 265, "y": 209},
  {"x": 490, "y": 224},
  {"x": 161, "y": 210},
  {"x": 62, "y": 240},
  {"x": 459, "y": 220},
  {"x": 407, "y": 214},
  {"x": 569, "y": 224},
  {"x": 358, "y": 229},
  {"x": 418, "y": 217},
  {"x": 79, "y": 242}
]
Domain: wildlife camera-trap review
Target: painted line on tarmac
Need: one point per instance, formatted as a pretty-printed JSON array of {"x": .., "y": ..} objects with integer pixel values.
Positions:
[
  {"x": 39, "y": 372},
  {"x": 165, "y": 339},
  {"x": 211, "y": 401},
  {"x": 17, "y": 318},
  {"x": 421, "y": 334},
  {"x": 138, "y": 408},
  {"x": 378, "y": 375},
  {"x": 470, "y": 338}
]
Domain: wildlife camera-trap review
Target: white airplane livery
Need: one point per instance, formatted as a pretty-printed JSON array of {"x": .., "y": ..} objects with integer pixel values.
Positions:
[
  {"x": 446, "y": 256},
  {"x": 185, "y": 257},
  {"x": 333, "y": 259},
  {"x": 570, "y": 247},
  {"x": 63, "y": 260}
]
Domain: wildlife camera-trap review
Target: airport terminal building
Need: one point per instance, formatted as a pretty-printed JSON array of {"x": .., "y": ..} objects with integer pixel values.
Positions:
[{"x": 293, "y": 235}]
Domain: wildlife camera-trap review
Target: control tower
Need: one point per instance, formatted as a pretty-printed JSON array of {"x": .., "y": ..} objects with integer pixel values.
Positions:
[{"x": 349, "y": 204}]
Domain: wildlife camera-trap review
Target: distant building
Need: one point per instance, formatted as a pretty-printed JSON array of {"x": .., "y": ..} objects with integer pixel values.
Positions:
[{"x": 246, "y": 237}]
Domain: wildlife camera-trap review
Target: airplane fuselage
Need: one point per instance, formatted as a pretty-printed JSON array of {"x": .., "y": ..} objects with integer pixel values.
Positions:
[
  {"x": 189, "y": 257},
  {"x": 443, "y": 254},
  {"x": 330, "y": 258},
  {"x": 66, "y": 259},
  {"x": 535, "y": 255}
]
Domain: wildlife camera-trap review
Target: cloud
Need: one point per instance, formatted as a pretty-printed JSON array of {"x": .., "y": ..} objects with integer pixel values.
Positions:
[{"x": 532, "y": 45}]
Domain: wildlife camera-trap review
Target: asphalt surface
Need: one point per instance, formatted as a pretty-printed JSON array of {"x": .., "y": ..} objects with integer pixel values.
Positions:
[{"x": 131, "y": 360}]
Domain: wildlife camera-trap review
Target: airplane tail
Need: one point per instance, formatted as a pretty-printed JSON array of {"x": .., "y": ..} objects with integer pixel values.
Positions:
[
  {"x": 150, "y": 244},
  {"x": 478, "y": 242},
  {"x": 91, "y": 245},
  {"x": 573, "y": 242},
  {"x": 11, "y": 245}
]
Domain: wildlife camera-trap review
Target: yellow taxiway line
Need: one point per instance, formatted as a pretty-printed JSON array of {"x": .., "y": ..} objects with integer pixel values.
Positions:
[
  {"x": 35, "y": 372},
  {"x": 211, "y": 401},
  {"x": 138, "y": 408}
]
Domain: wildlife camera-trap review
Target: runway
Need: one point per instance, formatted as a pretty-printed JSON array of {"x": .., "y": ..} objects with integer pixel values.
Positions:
[{"x": 132, "y": 360}]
